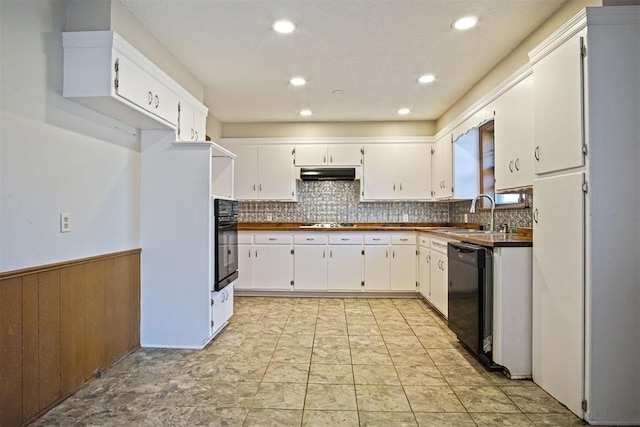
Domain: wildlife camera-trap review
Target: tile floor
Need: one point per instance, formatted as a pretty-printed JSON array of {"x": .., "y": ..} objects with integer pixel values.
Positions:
[{"x": 313, "y": 362}]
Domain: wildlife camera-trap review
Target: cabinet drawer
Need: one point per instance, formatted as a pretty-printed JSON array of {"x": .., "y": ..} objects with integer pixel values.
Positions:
[
  {"x": 273, "y": 239},
  {"x": 424, "y": 241},
  {"x": 346, "y": 239},
  {"x": 439, "y": 245},
  {"x": 377, "y": 239},
  {"x": 245, "y": 239},
  {"x": 403, "y": 240},
  {"x": 310, "y": 239}
]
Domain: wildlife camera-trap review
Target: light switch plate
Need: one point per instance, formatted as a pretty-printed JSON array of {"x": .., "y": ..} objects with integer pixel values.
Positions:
[
  {"x": 405, "y": 217},
  {"x": 65, "y": 222}
]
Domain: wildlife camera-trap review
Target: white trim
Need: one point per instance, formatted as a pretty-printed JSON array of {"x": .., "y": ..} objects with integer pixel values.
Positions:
[
  {"x": 558, "y": 37},
  {"x": 330, "y": 140},
  {"x": 206, "y": 144}
]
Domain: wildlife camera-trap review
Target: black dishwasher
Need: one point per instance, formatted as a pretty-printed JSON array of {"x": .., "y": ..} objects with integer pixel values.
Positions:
[{"x": 470, "y": 297}]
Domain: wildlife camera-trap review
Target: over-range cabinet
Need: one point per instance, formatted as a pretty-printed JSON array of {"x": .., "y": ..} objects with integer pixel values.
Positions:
[{"x": 586, "y": 275}]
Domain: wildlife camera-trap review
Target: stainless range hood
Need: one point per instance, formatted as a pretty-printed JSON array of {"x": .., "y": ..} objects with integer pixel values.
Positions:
[{"x": 327, "y": 174}]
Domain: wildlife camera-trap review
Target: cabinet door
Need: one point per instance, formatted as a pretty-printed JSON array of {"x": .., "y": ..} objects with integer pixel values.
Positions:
[
  {"x": 310, "y": 268},
  {"x": 558, "y": 108},
  {"x": 134, "y": 84},
  {"x": 228, "y": 302},
  {"x": 439, "y": 282},
  {"x": 442, "y": 168},
  {"x": 345, "y": 268},
  {"x": 376, "y": 268},
  {"x": 403, "y": 268},
  {"x": 199, "y": 126},
  {"x": 558, "y": 287},
  {"x": 217, "y": 311},
  {"x": 413, "y": 169},
  {"x": 344, "y": 155},
  {"x": 246, "y": 255},
  {"x": 245, "y": 174},
  {"x": 311, "y": 155},
  {"x": 513, "y": 132},
  {"x": 275, "y": 172},
  {"x": 185, "y": 123},
  {"x": 273, "y": 267},
  {"x": 165, "y": 103},
  {"x": 379, "y": 172},
  {"x": 425, "y": 273}
]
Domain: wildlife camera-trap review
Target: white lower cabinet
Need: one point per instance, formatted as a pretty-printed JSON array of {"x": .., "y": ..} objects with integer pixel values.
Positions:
[
  {"x": 221, "y": 308},
  {"x": 404, "y": 263},
  {"x": 376, "y": 268},
  {"x": 439, "y": 276},
  {"x": 310, "y": 262},
  {"x": 345, "y": 262},
  {"x": 424, "y": 267},
  {"x": 273, "y": 262},
  {"x": 246, "y": 255}
]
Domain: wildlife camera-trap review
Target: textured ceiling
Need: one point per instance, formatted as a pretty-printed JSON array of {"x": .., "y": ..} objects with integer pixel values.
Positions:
[{"x": 373, "y": 50}]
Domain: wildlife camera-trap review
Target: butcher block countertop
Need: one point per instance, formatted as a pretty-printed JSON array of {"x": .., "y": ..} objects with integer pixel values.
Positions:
[{"x": 468, "y": 233}]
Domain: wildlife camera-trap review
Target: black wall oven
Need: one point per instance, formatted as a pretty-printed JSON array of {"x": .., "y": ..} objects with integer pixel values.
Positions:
[{"x": 225, "y": 253}]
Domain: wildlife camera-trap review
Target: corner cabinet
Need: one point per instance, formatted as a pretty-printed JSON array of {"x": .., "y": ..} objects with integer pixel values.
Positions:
[
  {"x": 263, "y": 172},
  {"x": 176, "y": 237},
  {"x": 105, "y": 73},
  {"x": 396, "y": 172},
  {"x": 585, "y": 252}
]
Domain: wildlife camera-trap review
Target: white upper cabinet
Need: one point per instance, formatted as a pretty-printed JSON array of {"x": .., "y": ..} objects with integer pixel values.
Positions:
[
  {"x": 396, "y": 172},
  {"x": 558, "y": 108},
  {"x": 328, "y": 155},
  {"x": 105, "y": 73},
  {"x": 442, "y": 168},
  {"x": 263, "y": 172},
  {"x": 191, "y": 123},
  {"x": 513, "y": 133}
]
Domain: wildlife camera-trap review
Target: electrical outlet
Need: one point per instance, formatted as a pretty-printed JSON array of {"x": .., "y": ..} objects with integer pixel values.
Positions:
[
  {"x": 466, "y": 218},
  {"x": 269, "y": 217},
  {"x": 65, "y": 222},
  {"x": 405, "y": 217}
]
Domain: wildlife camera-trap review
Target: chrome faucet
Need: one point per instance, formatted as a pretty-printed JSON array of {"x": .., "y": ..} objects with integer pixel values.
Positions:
[{"x": 493, "y": 207}]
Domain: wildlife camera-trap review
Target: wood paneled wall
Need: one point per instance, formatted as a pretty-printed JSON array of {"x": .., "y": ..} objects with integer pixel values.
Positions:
[{"x": 62, "y": 324}]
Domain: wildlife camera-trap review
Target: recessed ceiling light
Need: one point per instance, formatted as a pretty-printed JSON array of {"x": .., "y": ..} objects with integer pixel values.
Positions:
[
  {"x": 465, "y": 23},
  {"x": 298, "y": 81},
  {"x": 404, "y": 111},
  {"x": 427, "y": 78},
  {"x": 305, "y": 113},
  {"x": 284, "y": 26}
]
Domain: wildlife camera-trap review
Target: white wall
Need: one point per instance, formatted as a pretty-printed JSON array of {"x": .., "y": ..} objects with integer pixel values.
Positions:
[{"x": 56, "y": 155}]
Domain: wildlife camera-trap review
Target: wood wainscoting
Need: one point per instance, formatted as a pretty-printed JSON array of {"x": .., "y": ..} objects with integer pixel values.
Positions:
[{"x": 60, "y": 326}]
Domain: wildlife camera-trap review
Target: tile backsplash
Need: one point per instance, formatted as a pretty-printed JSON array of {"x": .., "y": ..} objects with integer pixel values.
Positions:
[{"x": 339, "y": 201}]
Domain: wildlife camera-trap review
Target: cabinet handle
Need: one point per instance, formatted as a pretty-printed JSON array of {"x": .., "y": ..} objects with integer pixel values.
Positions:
[
  {"x": 260, "y": 187},
  {"x": 393, "y": 254},
  {"x": 324, "y": 254},
  {"x": 517, "y": 164},
  {"x": 330, "y": 253},
  {"x": 331, "y": 158},
  {"x": 249, "y": 253},
  {"x": 376, "y": 239},
  {"x": 345, "y": 239},
  {"x": 394, "y": 186},
  {"x": 400, "y": 186},
  {"x": 386, "y": 254},
  {"x": 272, "y": 239},
  {"x": 310, "y": 239},
  {"x": 256, "y": 253},
  {"x": 157, "y": 101},
  {"x": 536, "y": 153},
  {"x": 535, "y": 215},
  {"x": 511, "y": 166},
  {"x": 254, "y": 187},
  {"x": 150, "y": 98},
  {"x": 404, "y": 239},
  {"x": 324, "y": 159},
  {"x": 429, "y": 258}
]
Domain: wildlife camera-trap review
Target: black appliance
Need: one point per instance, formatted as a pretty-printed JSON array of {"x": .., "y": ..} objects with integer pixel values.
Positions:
[
  {"x": 327, "y": 174},
  {"x": 225, "y": 254},
  {"x": 470, "y": 298}
]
